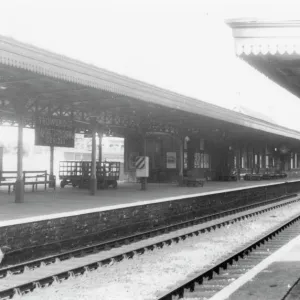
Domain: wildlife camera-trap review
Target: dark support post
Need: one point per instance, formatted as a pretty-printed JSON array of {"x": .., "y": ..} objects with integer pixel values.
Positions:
[
  {"x": 238, "y": 161},
  {"x": 51, "y": 177},
  {"x": 144, "y": 179},
  {"x": 19, "y": 188},
  {"x": 100, "y": 136},
  {"x": 93, "y": 181},
  {"x": 181, "y": 159}
]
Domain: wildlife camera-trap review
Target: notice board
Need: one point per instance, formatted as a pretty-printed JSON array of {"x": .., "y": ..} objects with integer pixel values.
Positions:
[{"x": 54, "y": 132}]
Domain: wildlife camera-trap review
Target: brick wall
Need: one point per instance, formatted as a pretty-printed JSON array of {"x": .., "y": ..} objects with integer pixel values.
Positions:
[{"x": 37, "y": 239}]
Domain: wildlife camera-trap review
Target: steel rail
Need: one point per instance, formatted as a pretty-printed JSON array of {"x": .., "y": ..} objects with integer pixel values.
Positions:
[
  {"x": 203, "y": 285},
  {"x": 65, "y": 274},
  {"x": 83, "y": 251}
]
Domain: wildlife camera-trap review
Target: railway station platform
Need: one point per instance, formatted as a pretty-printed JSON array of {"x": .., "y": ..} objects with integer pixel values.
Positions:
[
  {"x": 63, "y": 219},
  {"x": 57, "y": 203},
  {"x": 275, "y": 278}
]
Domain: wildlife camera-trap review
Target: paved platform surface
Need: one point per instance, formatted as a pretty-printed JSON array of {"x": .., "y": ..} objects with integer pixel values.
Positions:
[
  {"x": 71, "y": 199},
  {"x": 273, "y": 279}
]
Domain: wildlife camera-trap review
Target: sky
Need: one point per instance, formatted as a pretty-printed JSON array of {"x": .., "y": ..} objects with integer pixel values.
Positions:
[{"x": 184, "y": 46}]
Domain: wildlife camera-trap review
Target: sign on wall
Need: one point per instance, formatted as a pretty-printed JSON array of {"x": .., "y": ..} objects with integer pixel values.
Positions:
[
  {"x": 142, "y": 166},
  {"x": 171, "y": 160},
  {"x": 54, "y": 132}
]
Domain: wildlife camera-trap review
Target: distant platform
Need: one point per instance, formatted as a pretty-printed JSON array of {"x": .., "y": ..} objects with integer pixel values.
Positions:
[
  {"x": 272, "y": 279},
  {"x": 71, "y": 200}
]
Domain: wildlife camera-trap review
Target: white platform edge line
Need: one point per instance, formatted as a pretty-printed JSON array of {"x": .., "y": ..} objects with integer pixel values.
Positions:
[
  {"x": 127, "y": 205},
  {"x": 234, "y": 286}
]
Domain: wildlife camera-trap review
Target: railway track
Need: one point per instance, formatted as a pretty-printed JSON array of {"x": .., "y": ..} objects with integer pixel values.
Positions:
[
  {"x": 211, "y": 281},
  {"x": 75, "y": 270}
]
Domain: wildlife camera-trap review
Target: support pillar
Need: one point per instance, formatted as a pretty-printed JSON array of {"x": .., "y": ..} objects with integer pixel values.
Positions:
[
  {"x": 238, "y": 162},
  {"x": 144, "y": 179},
  {"x": 19, "y": 186},
  {"x": 93, "y": 181},
  {"x": 181, "y": 159},
  {"x": 51, "y": 160},
  {"x": 51, "y": 176},
  {"x": 100, "y": 136}
]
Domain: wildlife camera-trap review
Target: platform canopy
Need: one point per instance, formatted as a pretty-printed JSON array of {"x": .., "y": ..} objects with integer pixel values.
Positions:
[
  {"x": 272, "y": 47},
  {"x": 37, "y": 82}
]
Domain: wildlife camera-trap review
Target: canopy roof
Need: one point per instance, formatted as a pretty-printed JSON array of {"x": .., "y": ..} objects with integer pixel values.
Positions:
[
  {"x": 272, "y": 47},
  {"x": 51, "y": 84}
]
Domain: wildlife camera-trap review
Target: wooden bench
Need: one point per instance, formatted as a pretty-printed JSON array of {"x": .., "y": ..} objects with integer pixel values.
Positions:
[
  {"x": 8, "y": 178},
  {"x": 251, "y": 176},
  {"x": 272, "y": 173},
  {"x": 194, "y": 178},
  {"x": 228, "y": 175},
  {"x": 33, "y": 178},
  {"x": 38, "y": 177}
]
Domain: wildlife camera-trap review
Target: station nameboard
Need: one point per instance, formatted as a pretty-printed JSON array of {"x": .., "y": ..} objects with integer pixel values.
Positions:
[{"x": 54, "y": 132}]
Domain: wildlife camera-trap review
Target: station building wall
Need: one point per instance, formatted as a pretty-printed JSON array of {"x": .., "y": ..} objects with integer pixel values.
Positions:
[
  {"x": 211, "y": 157},
  {"x": 163, "y": 153},
  {"x": 164, "y": 156},
  {"x": 252, "y": 156}
]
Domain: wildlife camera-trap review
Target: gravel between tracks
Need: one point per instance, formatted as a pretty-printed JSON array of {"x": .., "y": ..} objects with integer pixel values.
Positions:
[{"x": 144, "y": 276}]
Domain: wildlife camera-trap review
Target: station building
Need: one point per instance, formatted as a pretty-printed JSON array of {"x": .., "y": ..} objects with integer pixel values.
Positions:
[
  {"x": 179, "y": 134},
  {"x": 176, "y": 132}
]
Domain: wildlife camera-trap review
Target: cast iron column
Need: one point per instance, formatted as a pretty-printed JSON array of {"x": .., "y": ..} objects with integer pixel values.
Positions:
[
  {"x": 181, "y": 159},
  {"x": 51, "y": 177},
  {"x": 145, "y": 179},
  {"x": 19, "y": 187},
  {"x": 100, "y": 136},
  {"x": 93, "y": 181}
]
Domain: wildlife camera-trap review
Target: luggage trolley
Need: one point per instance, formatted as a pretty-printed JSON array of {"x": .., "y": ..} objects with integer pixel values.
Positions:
[
  {"x": 108, "y": 174},
  {"x": 78, "y": 173}
]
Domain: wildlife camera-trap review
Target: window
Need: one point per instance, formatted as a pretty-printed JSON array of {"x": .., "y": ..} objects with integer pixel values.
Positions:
[
  {"x": 206, "y": 161},
  {"x": 260, "y": 161},
  {"x": 267, "y": 161},
  {"x": 201, "y": 160},
  {"x": 294, "y": 160},
  {"x": 255, "y": 159},
  {"x": 185, "y": 157}
]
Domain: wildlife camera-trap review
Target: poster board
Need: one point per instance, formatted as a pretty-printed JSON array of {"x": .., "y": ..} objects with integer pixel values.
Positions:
[
  {"x": 54, "y": 132},
  {"x": 171, "y": 160}
]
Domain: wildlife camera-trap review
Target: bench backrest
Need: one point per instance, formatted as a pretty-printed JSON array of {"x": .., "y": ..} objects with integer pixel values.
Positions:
[
  {"x": 4, "y": 175},
  {"x": 35, "y": 174}
]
